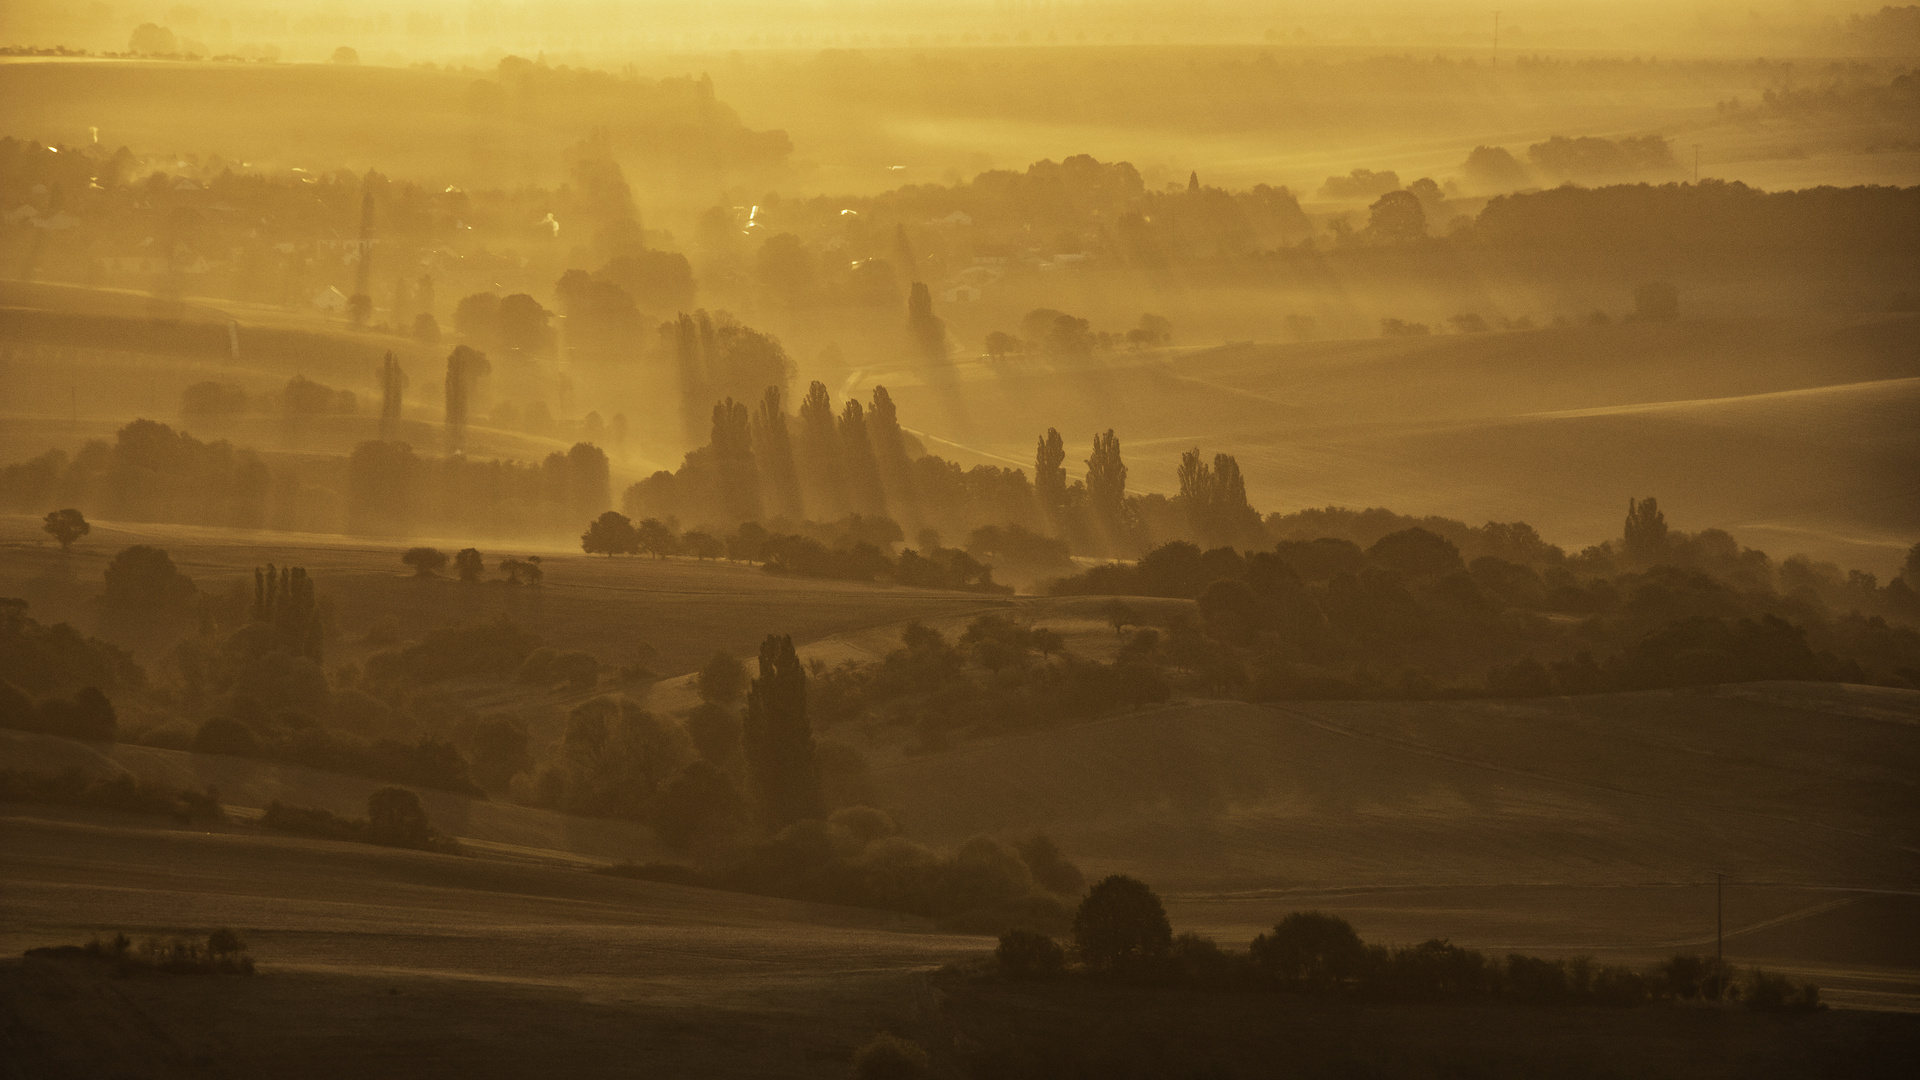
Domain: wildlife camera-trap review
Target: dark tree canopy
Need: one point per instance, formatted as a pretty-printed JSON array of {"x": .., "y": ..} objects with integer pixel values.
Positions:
[
  {"x": 1121, "y": 927},
  {"x": 1311, "y": 948},
  {"x": 66, "y": 526},
  {"x": 779, "y": 738},
  {"x": 142, "y": 578},
  {"x": 425, "y": 561}
]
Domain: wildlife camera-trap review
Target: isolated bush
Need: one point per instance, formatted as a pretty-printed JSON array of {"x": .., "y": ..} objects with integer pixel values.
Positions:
[
  {"x": 888, "y": 1057},
  {"x": 1121, "y": 927}
]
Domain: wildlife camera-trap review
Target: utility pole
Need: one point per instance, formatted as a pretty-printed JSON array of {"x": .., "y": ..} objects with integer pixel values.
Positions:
[
  {"x": 1696, "y": 163},
  {"x": 1496, "y": 37}
]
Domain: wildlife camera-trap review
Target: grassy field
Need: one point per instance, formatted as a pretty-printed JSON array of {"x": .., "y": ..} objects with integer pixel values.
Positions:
[
  {"x": 381, "y": 962},
  {"x": 681, "y": 610}
]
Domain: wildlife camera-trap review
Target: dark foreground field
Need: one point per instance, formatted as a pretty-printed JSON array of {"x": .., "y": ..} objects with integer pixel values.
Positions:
[{"x": 378, "y": 963}]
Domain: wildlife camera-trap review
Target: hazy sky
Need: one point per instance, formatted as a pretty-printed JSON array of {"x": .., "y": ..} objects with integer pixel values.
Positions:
[{"x": 442, "y": 29}]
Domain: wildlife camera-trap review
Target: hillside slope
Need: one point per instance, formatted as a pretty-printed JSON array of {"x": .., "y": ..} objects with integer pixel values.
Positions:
[{"x": 1771, "y": 782}]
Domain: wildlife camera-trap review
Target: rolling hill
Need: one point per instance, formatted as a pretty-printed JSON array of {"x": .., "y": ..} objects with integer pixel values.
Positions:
[
  {"x": 1556, "y": 825},
  {"x": 1791, "y": 434}
]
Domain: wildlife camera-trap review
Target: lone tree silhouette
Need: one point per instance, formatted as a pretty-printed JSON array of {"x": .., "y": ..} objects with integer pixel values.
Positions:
[
  {"x": 1050, "y": 481},
  {"x": 779, "y": 739},
  {"x": 1121, "y": 927},
  {"x": 66, "y": 526},
  {"x": 425, "y": 561},
  {"x": 610, "y": 534},
  {"x": 1310, "y": 948},
  {"x": 469, "y": 565}
]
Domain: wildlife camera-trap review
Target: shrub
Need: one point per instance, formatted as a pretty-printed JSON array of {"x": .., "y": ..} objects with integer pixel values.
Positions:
[
  {"x": 888, "y": 1057},
  {"x": 1768, "y": 992},
  {"x": 1025, "y": 954},
  {"x": 1121, "y": 927}
]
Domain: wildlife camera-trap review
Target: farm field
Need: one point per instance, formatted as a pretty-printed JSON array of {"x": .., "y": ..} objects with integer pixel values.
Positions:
[
  {"x": 680, "y": 610},
  {"x": 466, "y": 966}
]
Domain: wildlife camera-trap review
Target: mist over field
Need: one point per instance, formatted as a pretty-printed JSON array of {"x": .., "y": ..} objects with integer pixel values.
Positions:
[{"x": 964, "y": 538}]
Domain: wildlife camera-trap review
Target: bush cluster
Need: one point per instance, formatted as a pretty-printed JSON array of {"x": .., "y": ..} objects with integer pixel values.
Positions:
[
  {"x": 1409, "y": 616},
  {"x": 394, "y": 818},
  {"x": 858, "y": 857},
  {"x": 1000, "y": 675},
  {"x": 223, "y": 953}
]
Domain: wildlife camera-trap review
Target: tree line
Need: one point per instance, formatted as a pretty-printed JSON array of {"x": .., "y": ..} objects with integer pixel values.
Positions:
[{"x": 1121, "y": 933}]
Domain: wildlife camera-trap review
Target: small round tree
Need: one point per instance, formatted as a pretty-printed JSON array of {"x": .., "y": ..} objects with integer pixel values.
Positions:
[
  {"x": 425, "y": 561},
  {"x": 1310, "y": 948},
  {"x": 1121, "y": 927},
  {"x": 469, "y": 565},
  {"x": 67, "y": 526},
  {"x": 394, "y": 813},
  {"x": 610, "y": 534}
]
